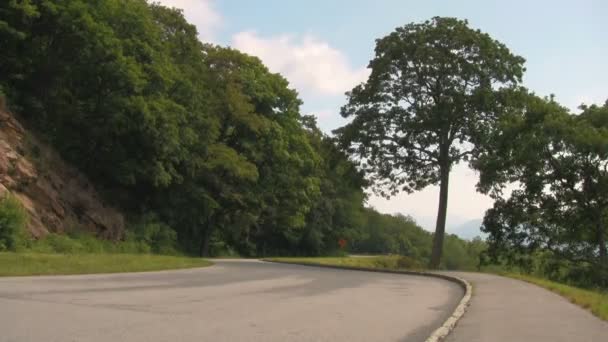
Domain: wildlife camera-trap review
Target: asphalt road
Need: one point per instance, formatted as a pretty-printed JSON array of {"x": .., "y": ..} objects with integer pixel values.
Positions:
[{"x": 231, "y": 301}]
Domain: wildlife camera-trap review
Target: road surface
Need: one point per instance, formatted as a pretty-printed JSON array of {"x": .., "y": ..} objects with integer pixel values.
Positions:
[
  {"x": 231, "y": 301},
  {"x": 504, "y": 309}
]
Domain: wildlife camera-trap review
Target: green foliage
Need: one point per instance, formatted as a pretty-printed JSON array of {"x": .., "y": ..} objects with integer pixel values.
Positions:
[
  {"x": 397, "y": 262},
  {"x": 434, "y": 88},
  {"x": 383, "y": 262},
  {"x": 462, "y": 255},
  {"x": 400, "y": 235},
  {"x": 151, "y": 232},
  {"x": 13, "y": 219},
  {"x": 388, "y": 234},
  {"x": 147, "y": 235},
  {"x": 84, "y": 243},
  {"x": 58, "y": 243},
  {"x": 205, "y": 137},
  {"x": 338, "y": 211},
  {"x": 554, "y": 221},
  {"x": 120, "y": 98}
]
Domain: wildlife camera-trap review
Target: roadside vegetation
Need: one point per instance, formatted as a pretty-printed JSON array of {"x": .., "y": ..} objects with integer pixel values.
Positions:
[
  {"x": 392, "y": 262},
  {"x": 146, "y": 237},
  {"x": 384, "y": 234},
  {"x": 78, "y": 252},
  {"x": 13, "y": 219},
  {"x": 27, "y": 263}
]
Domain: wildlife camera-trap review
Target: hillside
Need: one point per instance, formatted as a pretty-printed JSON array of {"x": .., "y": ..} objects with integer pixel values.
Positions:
[{"x": 56, "y": 196}]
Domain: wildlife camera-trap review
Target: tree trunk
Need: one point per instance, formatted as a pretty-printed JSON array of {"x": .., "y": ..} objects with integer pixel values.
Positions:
[{"x": 444, "y": 174}]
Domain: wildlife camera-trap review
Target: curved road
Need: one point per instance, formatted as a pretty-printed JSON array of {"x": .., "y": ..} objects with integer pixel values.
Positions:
[
  {"x": 232, "y": 301},
  {"x": 504, "y": 309}
]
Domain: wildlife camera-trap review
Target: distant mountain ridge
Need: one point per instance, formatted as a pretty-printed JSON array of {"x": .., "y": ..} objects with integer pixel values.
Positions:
[{"x": 468, "y": 230}]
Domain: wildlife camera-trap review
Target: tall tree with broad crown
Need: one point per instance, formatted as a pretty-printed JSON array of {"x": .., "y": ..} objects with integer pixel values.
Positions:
[{"x": 434, "y": 86}]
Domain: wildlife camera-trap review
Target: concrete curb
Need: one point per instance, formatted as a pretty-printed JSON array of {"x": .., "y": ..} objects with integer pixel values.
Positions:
[{"x": 444, "y": 330}]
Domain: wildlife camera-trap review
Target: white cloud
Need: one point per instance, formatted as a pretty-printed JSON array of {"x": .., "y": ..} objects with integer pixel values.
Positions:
[
  {"x": 200, "y": 13},
  {"x": 310, "y": 64}
]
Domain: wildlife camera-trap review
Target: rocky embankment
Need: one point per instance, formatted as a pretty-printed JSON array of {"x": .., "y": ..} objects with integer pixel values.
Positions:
[{"x": 57, "y": 196}]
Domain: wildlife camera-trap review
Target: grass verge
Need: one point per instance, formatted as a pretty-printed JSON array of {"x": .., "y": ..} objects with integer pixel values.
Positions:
[
  {"x": 393, "y": 262},
  {"x": 594, "y": 301},
  {"x": 22, "y": 264}
]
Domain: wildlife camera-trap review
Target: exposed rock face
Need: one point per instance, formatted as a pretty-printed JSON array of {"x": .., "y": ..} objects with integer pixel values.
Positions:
[{"x": 56, "y": 196}]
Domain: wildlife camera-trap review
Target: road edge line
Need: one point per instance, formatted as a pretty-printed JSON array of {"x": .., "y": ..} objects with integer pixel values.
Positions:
[{"x": 446, "y": 328}]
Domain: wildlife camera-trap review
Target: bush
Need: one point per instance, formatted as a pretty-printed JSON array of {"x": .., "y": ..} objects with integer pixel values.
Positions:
[
  {"x": 160, "y": 237},
  {"x": 91, "y": 244},
  {"x": 148, "y": 236},
  {"x": 408, "y": 263},
  {"x": 395, "y": 262},
  {"x": 220, "y": 249},
  {"x": 78, "y": 242},
  {"x": 56, "y": 243},
  {"x": 132, "y": 246},
  {"x": 13, "y": 219}
]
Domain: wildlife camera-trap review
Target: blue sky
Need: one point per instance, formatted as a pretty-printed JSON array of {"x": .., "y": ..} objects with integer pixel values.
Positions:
[{"x": 323, "y": 47}]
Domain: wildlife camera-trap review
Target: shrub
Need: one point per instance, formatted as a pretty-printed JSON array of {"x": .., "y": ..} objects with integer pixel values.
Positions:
[
  {"x": 396, "y": 262},
  {"x": 160, "y": 237},
  {"x": 57, "y": 243},
  {"x": 90, "y": 243},
  {"x": 83, "y": 242},
  {"x": 132, "y": 246},
  {"x": 13, "y": 219},
  {"x": 408, "y": 263},
  {"x": 385, "y": 262}
]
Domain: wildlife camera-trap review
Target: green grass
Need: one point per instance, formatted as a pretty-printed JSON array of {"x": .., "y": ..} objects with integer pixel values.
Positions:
[
  {"x": 381, "y": 262},
  {"x": 22, "y": 264},
  {"x": 594, "y": 301}
]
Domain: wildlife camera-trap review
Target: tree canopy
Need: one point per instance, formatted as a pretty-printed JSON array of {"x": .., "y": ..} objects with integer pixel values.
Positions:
[{"x": 554, "y": 164}]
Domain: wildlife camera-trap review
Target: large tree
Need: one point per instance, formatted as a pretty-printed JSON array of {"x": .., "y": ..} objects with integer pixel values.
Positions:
[{"x": 433, "y": 87}]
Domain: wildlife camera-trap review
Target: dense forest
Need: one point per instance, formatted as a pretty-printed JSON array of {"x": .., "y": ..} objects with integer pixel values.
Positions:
[{"x": 201, "y": 144}]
